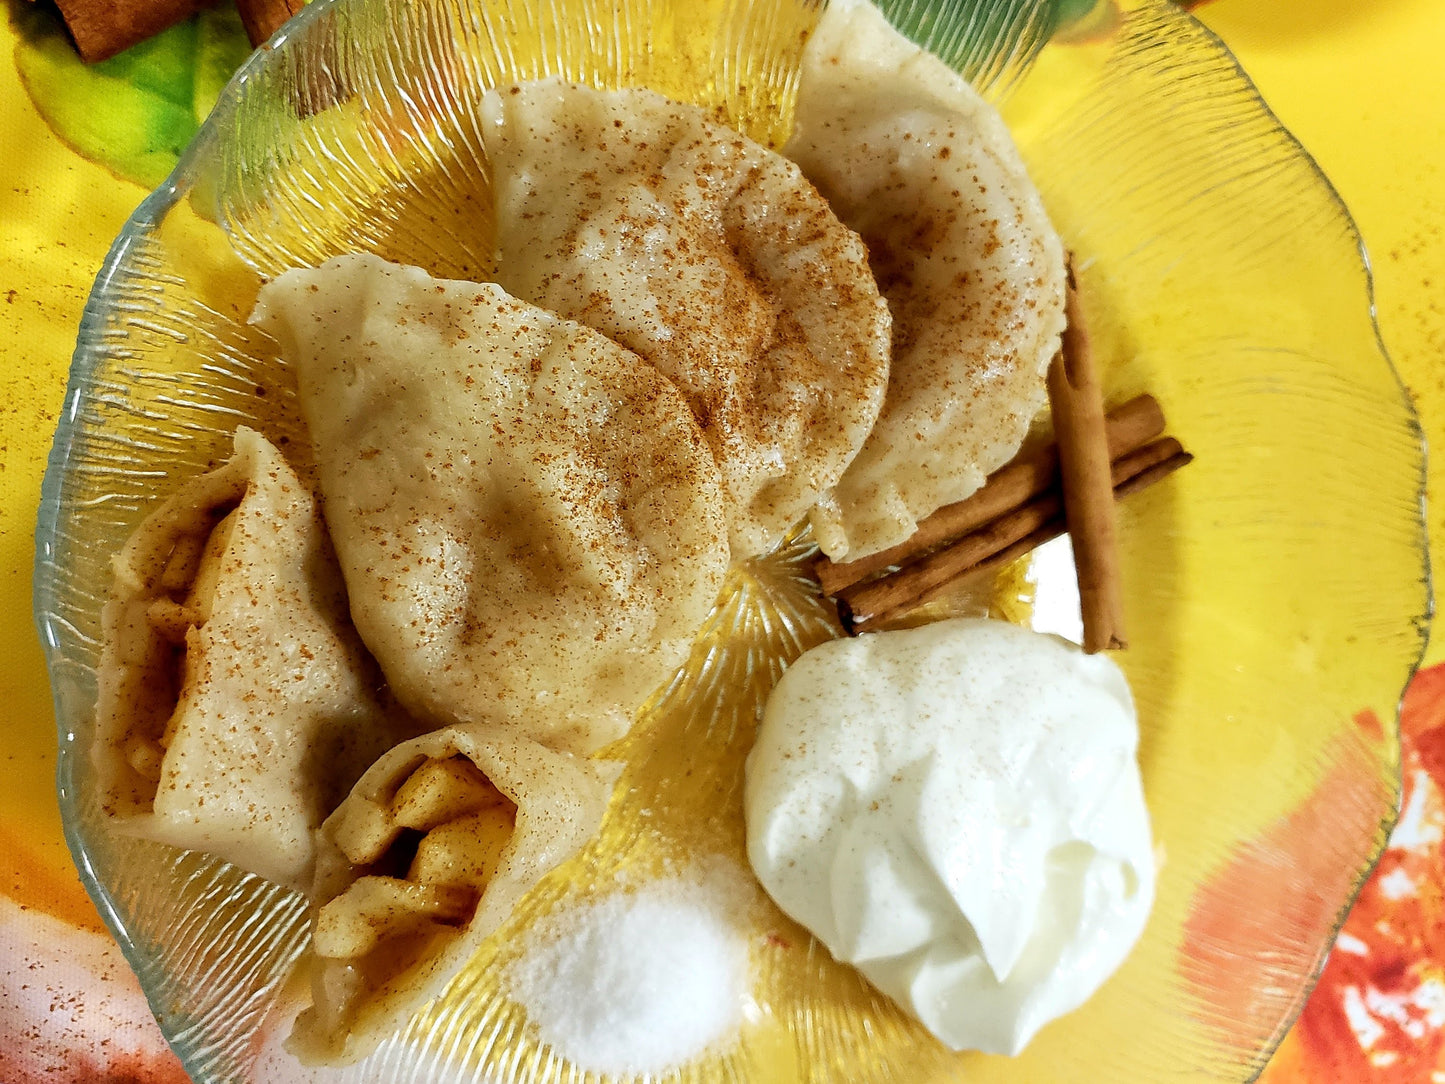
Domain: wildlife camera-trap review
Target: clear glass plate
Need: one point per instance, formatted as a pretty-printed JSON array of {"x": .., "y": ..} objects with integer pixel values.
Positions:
[{"x": 1276, "y": 591}]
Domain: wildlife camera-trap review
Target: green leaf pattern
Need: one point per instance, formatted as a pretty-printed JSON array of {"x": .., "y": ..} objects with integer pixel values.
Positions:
[{"x": 136, "y": 112}]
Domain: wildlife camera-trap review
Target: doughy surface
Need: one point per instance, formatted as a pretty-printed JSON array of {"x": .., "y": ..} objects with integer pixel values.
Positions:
[
  {"x": 714, "y": 259},
  {"x": 530, "y": 523},
  {"x": 910, "y": 156},
  {"x": 237, "y": 705}
]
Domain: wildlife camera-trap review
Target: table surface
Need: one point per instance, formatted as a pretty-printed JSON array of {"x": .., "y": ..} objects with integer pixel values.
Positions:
[{"x": 1359, "y": 84}]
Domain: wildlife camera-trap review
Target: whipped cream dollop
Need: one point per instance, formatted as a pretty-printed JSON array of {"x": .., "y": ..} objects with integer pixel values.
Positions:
[{"x": 957, "y": 811}]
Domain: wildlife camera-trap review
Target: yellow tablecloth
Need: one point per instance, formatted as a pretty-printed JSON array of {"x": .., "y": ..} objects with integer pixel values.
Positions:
[{"x": 1359, "y": 84}]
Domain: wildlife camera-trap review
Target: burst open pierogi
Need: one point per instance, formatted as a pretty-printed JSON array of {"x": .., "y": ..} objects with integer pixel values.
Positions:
[
  {"x": 714, "y": 259},
  {"x": 426, "y": 857},
  {"x": 237, "y": 705},
  {"x": 911, "y": 157},
  {"x": 529, "y": 520}
]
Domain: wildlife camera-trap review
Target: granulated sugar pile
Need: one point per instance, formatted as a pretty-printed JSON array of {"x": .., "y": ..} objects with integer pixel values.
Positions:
[{"x": 636, "y": 982}]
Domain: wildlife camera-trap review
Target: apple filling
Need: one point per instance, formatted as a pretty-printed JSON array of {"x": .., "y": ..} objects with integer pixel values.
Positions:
[
  {"x": 184, "y": 594},
  {"x": 428, "y": 855}
]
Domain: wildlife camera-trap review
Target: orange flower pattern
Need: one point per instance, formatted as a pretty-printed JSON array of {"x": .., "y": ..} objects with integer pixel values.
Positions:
[{"x": 1378, "y": 1013}]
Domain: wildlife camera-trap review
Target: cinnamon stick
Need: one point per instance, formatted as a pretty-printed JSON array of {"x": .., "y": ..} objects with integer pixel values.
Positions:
[
  {"x": 1127, "y": 427},
  {"x": 102, "y": 28},
  {"x": 1076, "y": 401},
  {"x": 1153, "y": 471},
  {"x": 997, "y": 544},
  {"x": 262, "y": 18},
  {"x": 859, "y": 614}
]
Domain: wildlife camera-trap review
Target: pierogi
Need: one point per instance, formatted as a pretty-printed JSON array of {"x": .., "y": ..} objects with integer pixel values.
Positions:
[
  {"x": 236, "y": 704},
  {"x": 911, "y": 157},
  {"x": 529, "y": 520},
  {"x": 535, "y": 487},
  {"x": 427, "y": 856},
  {"x": 714, "y": 259}
]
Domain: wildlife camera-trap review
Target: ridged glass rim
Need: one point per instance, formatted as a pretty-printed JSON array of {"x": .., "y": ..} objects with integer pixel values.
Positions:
[
  {"x": 1421, "y": 621},
  {"x": 180, "y": 182},
  {"x": 85, "y": 359}
]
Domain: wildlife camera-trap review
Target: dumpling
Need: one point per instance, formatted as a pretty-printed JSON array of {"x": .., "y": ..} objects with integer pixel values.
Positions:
[
  {"x": 236, "y": 704},
  {"x": 427, "y": 857},
  {"x": 530, "y": 523},
  {"x": 714, "y": 259},
  {"x": 923, "y": 168}
]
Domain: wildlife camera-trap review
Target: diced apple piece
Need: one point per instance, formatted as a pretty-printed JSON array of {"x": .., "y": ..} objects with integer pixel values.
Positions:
[
  {"x": 441, "y": 791},
  {"x": 465, "y": 851},
  {"x": 373, "y": 909}
]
